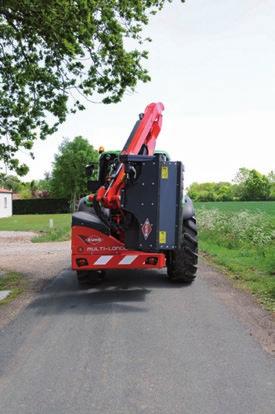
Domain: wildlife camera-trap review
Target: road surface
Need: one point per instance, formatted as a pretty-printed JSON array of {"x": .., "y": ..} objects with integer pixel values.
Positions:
[{"x": 134, "y": 344}]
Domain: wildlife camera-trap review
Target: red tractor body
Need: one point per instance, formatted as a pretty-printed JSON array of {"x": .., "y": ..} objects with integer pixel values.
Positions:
[{"x": 93, "y": 250}]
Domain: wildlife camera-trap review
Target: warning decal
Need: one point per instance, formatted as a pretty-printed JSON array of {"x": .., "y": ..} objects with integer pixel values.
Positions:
[
  {"x": 164, "y": 173},
  {"x": 146, "y": 229},
  {"x": 162, "y": 237}
]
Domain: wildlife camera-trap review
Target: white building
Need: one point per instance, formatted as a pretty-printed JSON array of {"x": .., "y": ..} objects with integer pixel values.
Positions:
[{"x": 5, "y": 203}]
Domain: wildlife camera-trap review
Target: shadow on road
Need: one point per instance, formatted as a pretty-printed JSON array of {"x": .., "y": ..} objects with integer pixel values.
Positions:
[{"x": 120, "y": 291}]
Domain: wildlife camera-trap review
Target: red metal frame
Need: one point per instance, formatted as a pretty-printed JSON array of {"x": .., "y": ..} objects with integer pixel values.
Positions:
[
  {"x": 146, "y": 134},
  {"x": 94, "y": 250},
  {"x": 105, "y": 252}
]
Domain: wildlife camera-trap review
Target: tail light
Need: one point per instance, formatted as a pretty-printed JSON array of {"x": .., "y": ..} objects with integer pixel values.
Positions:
[
  {"x": 81, "y": 262},
  {"x": 151, "y": 260}
]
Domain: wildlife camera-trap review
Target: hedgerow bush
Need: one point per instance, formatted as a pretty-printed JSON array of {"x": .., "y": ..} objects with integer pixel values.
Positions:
[{"x": 232, "y": 230}]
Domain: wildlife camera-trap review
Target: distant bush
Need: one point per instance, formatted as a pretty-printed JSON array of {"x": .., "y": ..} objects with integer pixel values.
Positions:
[
  {"x": 222, "y": 191},
  {"x": 248, "y": 185}
]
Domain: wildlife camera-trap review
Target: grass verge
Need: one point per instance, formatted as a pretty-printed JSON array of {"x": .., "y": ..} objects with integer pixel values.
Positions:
[
  {"x": 55, "y": 234},
  {"x": 12, "y": 281},
  {"x": 248, "y": 270},
  {"x": 241, "y": 240},
  {"x": 40, "y": 223}
]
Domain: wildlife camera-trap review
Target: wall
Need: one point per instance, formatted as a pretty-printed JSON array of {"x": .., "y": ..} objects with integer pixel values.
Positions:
[
  {"x": 5, "y": 206},
  {"x": 41, "y": 206}
]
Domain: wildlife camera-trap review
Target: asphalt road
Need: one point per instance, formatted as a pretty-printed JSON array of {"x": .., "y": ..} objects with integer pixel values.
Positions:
[{"x": 133, "y": 345}]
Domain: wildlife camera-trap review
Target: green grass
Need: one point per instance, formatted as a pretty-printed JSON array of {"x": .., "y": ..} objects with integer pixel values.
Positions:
[
  {"x": 12, "y": 281},
  {"x": 267, "y": 207},
  {"x": 250, "y": 267},
  {"x": 40, "y": 223}
]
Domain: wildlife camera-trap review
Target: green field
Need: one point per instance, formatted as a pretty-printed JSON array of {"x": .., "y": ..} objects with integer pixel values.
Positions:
[
  {"x": 40, "y": 223},
  {"x": 240, "y": 236},
  {"x": 267, "y": 207}
]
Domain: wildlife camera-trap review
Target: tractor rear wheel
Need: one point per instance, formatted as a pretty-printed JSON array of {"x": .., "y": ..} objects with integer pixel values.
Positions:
[{"x": 182, "y": 263}]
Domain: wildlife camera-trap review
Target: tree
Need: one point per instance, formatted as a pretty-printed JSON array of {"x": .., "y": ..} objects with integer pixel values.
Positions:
[
  {"x": 53, "y": 50},
  {"x": 224, "y": 192},
  {"x": 10, "y": 182},
  {"x": 221, "y": 191},
  {"x": 241, "y": 175},
  {"x": 68, "y": 175},
  {"x": 25, "y": 193},
  {"x": 271, "y": 176},
  {"x": 271, "y": 179},
  {"x": 272, "y": 191},
  {"x": 256, "y": 186}
]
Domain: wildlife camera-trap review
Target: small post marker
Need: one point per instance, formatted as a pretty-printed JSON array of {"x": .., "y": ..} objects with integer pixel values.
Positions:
[{"x": 51, "y": 223}]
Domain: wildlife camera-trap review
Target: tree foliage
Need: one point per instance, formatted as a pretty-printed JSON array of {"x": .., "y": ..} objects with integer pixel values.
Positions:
[
  {"x": 10, "y": 182},
  {"x": 256, "y": 186},
  {"x": 248, "y": 185},
  {"x": 68, "y": 176},
  {"x": 53, "y": 50},
  {"x": 222, "y": 191}
]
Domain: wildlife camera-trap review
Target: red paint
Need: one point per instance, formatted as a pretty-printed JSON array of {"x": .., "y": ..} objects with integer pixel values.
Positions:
[
  {"x": 109, "y": 246},
  {"x": 146, "y": 134}
]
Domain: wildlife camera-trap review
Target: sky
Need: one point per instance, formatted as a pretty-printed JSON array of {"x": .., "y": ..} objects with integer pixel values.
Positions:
[{"x": 212, "y": 64}]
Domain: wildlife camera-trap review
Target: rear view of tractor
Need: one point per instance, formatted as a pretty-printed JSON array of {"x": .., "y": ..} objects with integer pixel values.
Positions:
[{"x": 136, "y": 216}]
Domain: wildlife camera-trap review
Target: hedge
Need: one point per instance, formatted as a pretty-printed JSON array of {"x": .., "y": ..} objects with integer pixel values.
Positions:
[{"x": 41, "y": 206}]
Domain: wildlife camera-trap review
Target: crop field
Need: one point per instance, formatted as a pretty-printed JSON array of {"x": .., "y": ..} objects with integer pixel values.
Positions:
[{"x": 240, "y": 236}]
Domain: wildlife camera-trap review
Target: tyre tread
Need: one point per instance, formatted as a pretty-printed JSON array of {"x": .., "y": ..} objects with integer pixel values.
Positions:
[{"x": 183, "y": 262}]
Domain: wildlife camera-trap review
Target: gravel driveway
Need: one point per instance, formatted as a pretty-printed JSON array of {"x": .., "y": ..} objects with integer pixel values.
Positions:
[{"x": 38, "y": 262}]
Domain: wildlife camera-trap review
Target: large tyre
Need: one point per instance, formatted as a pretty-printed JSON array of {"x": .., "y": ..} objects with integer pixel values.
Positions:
[{"x": 182, "y": 263}]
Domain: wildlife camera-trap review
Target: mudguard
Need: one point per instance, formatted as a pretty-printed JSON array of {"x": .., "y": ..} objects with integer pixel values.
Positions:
[
  {"x": 188, "y": 210},
  {"x": 82, "y": 206}
]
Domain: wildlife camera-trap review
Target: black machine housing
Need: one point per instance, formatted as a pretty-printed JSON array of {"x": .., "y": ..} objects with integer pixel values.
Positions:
[{"x": 153, "y": 197}]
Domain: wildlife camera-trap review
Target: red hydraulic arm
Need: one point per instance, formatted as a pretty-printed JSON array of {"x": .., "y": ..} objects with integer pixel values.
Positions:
[{"x": 144, "y": 135}]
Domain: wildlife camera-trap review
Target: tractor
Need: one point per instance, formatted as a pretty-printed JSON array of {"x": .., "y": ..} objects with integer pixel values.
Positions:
[{"x": 136, "y": 215}]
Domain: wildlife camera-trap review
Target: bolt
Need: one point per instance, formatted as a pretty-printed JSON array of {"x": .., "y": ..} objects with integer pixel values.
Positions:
[
  {"x": 142, "y": 183},
  {"x": 142, "y": 204},
  {"x": 152, "y": 204}
]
